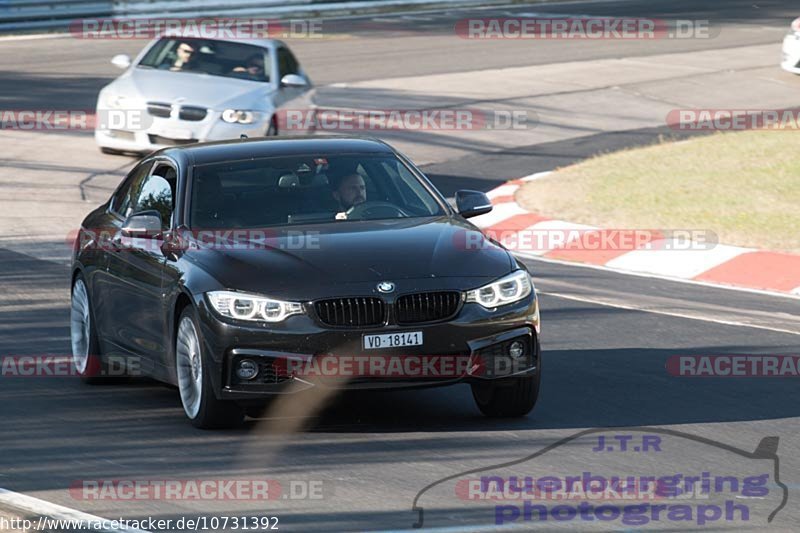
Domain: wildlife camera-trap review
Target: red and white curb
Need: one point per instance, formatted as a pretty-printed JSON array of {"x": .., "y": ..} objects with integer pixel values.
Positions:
[{"x": 722, "y": 264}]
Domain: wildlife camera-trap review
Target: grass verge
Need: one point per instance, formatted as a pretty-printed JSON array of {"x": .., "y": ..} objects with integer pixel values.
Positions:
[{"x": 744, "y": 186}]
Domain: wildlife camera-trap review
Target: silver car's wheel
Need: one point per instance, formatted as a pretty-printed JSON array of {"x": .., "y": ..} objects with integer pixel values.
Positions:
[
  {"x": 190, "y": 367},
  {"x": 80, "y": 326}
]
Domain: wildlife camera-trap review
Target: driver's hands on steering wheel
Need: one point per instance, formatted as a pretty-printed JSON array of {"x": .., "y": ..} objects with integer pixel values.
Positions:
[{"x": 364, "y": 208}]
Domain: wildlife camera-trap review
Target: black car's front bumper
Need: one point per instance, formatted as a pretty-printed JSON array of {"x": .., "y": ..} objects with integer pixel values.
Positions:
[{"x": 476, "y": 341}]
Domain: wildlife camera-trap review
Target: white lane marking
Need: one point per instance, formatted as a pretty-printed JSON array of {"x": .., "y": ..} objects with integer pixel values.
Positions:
[
  {"x": 541, "y": 15},
  {"x": 669, "y": 257},
  {"x": 35, "y": 37},
  {"x": 761, "y": 292},
  {"x": 54, "y": 511},
  {"x": 665, "y": 313}
]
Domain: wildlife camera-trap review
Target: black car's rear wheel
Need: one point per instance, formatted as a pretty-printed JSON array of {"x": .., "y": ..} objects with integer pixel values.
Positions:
[
  {"x": 200, "y": 404},
  {"x": 505, "y": 398}
]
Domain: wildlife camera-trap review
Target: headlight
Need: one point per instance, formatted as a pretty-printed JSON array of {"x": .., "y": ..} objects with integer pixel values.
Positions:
[
  {"x": 239, "y": 116},
  {"x": 509, "y": 289},
  {"x": 113, "y": 101},
  {"x": 242, "y": 306}
]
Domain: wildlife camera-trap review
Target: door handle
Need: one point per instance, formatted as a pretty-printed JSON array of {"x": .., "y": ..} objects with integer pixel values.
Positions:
[{"x": 116, "y": 240}]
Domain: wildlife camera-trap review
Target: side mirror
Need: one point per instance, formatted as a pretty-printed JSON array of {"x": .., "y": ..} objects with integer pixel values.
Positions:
[
  {"x": 472, "y": 203},
  {"x": 144, "y": 224},
  {"x": 122, "y": 61},
  {"x": 293, "y": 80}
]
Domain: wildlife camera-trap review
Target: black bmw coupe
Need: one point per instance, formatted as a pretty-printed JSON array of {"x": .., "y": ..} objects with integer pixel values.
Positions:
[{"x": 244, "y": 269}]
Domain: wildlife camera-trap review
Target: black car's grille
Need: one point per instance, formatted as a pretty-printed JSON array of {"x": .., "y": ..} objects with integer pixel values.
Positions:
[
  {"x": 426, "y": 307},
  {"x": 193, "y": 113},
  {"x": 349, "y": 312},
  {"x": 159, "y": 109}
]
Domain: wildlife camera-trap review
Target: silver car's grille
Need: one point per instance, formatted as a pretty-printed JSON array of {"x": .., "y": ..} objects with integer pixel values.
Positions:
[
  {"x": 164, "y": 110},
  {"x": 193, "y": 113},
  {"x": 158, "y": 109}
]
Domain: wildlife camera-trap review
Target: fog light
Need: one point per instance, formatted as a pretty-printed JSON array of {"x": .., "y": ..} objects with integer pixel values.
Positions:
[
  {"x": 247, "y": 369},
  {"x": 516, "y": 350}
]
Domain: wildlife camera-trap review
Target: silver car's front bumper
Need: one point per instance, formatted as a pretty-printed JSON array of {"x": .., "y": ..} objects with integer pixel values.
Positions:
[{"x": 163, "y": 132}]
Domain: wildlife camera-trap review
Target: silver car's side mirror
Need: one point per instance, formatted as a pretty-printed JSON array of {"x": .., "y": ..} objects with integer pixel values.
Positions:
[
  {"x": 122, "y": 61},
  {"x": 293, "y": 80}
]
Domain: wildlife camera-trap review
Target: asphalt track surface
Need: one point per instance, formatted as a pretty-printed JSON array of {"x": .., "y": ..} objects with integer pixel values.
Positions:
[{"x": 606, "y": 336}]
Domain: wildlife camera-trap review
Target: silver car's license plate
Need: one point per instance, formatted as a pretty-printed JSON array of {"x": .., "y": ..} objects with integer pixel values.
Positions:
[{"x": 393, "y": 340}]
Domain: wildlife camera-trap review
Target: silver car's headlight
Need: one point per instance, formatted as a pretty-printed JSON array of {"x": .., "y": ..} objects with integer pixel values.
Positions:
[
  {"x": 507, "y": 290},
  {"x": 112, "y": 100},
  {"x": 243, "y": 306},
  {"x": 240, "y": 116}
]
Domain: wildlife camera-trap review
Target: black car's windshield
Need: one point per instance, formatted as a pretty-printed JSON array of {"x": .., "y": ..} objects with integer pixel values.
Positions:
[
  {"x": 307, "y": 189},
  {"x": 218, "y": 58}
]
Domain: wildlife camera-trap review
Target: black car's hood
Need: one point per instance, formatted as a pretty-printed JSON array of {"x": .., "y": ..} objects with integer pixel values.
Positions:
[{"x": 319, "y": 260}]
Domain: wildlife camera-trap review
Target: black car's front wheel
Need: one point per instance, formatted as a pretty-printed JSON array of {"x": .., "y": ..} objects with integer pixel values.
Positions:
[
  {"x": 86, "y": 358},
  {"x": 505, "y": 398},
  {"x": 200, "y": 404}
]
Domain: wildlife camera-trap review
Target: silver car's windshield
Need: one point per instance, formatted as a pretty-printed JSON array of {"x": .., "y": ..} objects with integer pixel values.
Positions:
[{"x": 218, "y": 58}]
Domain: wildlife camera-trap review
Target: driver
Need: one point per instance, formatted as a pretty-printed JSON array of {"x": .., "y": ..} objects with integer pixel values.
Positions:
[
  {"x": 350, "y": 191},
  {"x": 185, "y": 59}
]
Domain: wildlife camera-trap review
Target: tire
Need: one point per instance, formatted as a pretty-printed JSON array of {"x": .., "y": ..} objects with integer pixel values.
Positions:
[
  {"x": 202, "y": 407},
  {"x": 86, "y": 358},
  {"x": 513, "y": 397}
]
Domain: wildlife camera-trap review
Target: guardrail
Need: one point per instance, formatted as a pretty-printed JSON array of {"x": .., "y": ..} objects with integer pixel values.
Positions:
[
  {"x": 33, "y": 14},
  {"x": 25, "y": 15}
]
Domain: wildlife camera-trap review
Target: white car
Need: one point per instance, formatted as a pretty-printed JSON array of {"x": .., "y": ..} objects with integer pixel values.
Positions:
[
  {"x": 791, "y": 49},
  {"x": 184, "y": 90}
]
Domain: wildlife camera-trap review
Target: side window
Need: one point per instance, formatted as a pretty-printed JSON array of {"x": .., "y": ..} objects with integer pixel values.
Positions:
[
  {"x": 121, "y": 201},
  {"x": 287, "y": 64},
  {"x": 156, "y": 193}
]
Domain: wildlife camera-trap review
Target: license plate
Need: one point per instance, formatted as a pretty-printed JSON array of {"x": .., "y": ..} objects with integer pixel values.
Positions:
[
  {"x": 393, "y": 340},
  {"x": 176, "y": 133}
]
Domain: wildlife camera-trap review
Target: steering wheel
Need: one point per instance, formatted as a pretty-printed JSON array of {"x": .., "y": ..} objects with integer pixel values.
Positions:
[{"x": 377, "y": 209}]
